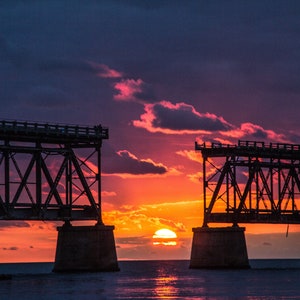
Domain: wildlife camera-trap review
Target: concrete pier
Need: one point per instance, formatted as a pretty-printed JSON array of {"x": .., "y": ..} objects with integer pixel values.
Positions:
[
  {"x": 222, "y": 247},
  {"x": 85, "y": 248}
]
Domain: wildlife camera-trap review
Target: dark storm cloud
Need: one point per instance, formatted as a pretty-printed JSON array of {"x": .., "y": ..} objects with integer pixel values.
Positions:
[{"x": 124, "y": 162}]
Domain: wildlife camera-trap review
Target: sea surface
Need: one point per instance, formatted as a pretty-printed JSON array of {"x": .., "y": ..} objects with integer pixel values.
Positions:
[{"x": 267, "y": 279}]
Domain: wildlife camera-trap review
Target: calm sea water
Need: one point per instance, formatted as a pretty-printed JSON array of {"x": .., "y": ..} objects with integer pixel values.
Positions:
[{"x": 267, "y": 279}]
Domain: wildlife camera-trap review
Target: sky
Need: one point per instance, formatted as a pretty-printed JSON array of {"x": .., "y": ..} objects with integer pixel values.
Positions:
[{"x": 160, "y": 74}]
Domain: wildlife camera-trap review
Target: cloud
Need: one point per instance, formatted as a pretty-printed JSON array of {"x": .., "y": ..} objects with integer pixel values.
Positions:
[
  {"x": 133, "y": 90},
  {"x": 196, "y": 177},
  {"x": 191, "y": 155},
  {"x": 151, "y": 217},
  {"x": 182, "y": 118},
  {"x": 10, "y": 248},
  {"x": 124, "y": 162},
  {"x": 135, "y": 240},
  {"x": 20, "y": 224},
  {"x": 105, "y": 71},
  {"x": 179, "y": 118},
  {"x": 72, "y": 65},
  {"x": 256, "y": 132},
  {"x": 108, "y": 194},
  {"x": 141, "y": 218},
  {"x": 267, "y": 244},
  {"x": 177, "y": 226}
]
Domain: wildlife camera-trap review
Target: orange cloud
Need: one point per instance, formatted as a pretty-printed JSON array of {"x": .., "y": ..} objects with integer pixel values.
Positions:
[
  {"x": 147, "y": 218},
  {"x": 191, "y": 155},
  {"x": 108, "y": 194},
  {"x": 196, "y": 178}
]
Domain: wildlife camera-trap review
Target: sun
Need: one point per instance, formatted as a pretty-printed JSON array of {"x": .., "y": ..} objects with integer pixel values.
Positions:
[{"x": 164, "y": 237}]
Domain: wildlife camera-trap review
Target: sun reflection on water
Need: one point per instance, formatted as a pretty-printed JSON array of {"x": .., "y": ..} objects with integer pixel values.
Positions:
[{"x": 165, "y": 284}]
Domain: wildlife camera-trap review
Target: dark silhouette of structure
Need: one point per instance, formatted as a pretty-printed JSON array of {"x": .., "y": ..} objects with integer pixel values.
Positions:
[
  {"x": 53, "y": 172},
  {"x": 251, "y": 182}
]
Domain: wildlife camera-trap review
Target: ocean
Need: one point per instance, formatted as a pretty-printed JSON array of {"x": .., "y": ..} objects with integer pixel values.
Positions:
[{"x": 168, "y": 279}]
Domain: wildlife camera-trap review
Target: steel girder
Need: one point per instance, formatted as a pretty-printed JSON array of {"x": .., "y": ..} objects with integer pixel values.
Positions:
[
  {"x": 47, "y": 174},
  {"x": 251, "y": 183}
]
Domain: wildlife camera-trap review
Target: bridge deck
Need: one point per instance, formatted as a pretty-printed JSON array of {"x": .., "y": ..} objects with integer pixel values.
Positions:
[
  {"x": 51, "y": 133},
  {"x": 250, "y": 149}
]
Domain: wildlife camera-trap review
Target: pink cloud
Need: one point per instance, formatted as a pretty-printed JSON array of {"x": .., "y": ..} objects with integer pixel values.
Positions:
[
  {"x": 128, "y": 89},
  {"x": 109, "y": 73},
  {"x": 179, "y": 118},
  {"x": 182, "y": 118},
  {"x": 108, "y": 194},
  {"x": 105, "y": 72},
  {"x": 249, "y": 130}
]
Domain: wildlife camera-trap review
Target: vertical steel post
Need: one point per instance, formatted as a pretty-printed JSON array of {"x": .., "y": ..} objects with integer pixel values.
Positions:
[
  {"x": 235, "y": 183},
  {"x": 250, "y": 189},
  {"x": 204, "y": 192},
  {"x": 38, "y": 173},
  {"x": 6, "y": 174},
  {"x": 227, "y": 191},
  {"x": 98, "y": 177}
]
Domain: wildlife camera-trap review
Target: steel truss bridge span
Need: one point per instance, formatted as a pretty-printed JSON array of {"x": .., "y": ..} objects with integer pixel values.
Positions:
[
  {"x": 50, "y": 171},
  {"x": 251, "y": 182}
]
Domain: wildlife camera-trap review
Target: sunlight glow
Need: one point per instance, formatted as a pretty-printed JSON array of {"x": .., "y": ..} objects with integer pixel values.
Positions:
[
  {"x": 164, "y": 237},
  {"x": 164, "y": 234}
]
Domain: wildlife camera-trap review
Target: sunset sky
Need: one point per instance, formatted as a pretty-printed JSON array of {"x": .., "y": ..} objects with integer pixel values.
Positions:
[{"x": 159, "y": 74}]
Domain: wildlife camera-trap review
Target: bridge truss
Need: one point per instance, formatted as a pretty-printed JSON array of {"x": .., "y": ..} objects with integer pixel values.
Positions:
[
  {"x": 50, "y": 171},
  {"x": 251, "y": 182}
]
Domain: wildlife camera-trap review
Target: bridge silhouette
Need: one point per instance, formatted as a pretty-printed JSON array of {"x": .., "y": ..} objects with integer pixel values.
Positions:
[
  {"x": 53, "y": 172},
  {"x": 251, "y": 182},
  {"x": 50, "y": 171}
]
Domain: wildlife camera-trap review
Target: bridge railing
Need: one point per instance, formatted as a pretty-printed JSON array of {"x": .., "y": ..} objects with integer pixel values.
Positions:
[
  {"x": 249, "y": 145},
  {"x": 33, "y": 129}
]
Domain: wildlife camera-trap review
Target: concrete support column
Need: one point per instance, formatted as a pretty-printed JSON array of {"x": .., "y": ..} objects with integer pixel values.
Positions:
[
  {"x": 85, "y": 248},
  {"x": 222, "y": 247}
]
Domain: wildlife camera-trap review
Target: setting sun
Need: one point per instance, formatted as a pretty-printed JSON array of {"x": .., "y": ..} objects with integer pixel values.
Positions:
[{"x": 164, "y": 237}]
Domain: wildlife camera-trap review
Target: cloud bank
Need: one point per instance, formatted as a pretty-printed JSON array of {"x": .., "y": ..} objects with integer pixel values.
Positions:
[{"x": 124, "y": 162}]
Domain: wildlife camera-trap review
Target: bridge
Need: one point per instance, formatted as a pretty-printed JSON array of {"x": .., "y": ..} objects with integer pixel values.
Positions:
[
  {"x": 52, "y": 172},
  {"x": 46, "y": 171},
  {"x": 250, "y": 182}
]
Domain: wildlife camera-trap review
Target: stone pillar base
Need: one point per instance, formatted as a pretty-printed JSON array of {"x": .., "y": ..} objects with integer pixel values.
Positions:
[
  {"x": 222, "y": 247},
  {"x": 85, "y": 248}
]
